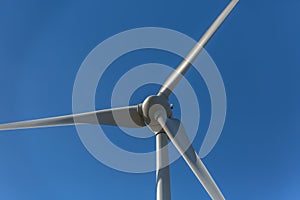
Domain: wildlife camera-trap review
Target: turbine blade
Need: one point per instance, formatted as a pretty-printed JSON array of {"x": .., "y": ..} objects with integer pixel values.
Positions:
[
  {"x": 185, "y": 65},
  {"x": 176, "y": 133},
  {"x": 124, "y": 116}
]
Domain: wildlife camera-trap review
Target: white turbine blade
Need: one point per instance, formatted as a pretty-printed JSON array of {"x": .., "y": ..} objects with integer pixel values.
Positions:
[
  {"x": 125, "y": 116},
  {"x": 176, "y": 133},
  {"x": 184, "y": 66}
]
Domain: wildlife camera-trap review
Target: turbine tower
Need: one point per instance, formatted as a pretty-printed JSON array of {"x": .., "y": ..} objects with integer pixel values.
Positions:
[{"x": 156, "y": 113}]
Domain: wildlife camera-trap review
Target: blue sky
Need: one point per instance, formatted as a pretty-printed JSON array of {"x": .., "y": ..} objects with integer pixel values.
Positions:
[{"x": 42, "y": 45}]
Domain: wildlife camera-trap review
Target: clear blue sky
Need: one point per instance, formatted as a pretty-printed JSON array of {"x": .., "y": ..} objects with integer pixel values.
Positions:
[{"x": 42, "y": 45}]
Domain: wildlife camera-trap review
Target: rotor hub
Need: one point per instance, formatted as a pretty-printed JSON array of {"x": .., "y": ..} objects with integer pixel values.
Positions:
[{"x": 153, "y": 106}]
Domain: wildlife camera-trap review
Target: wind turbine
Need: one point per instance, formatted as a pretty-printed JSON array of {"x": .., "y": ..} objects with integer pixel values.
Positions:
[{"x": 156, "y": 113}]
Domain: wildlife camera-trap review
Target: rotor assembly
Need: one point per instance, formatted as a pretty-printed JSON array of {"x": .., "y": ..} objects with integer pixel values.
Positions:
[{"x": 156, "y": 113}]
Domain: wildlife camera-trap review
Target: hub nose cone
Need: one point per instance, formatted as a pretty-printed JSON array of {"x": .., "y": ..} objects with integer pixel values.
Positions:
[{"x": 154, "y": 104}]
